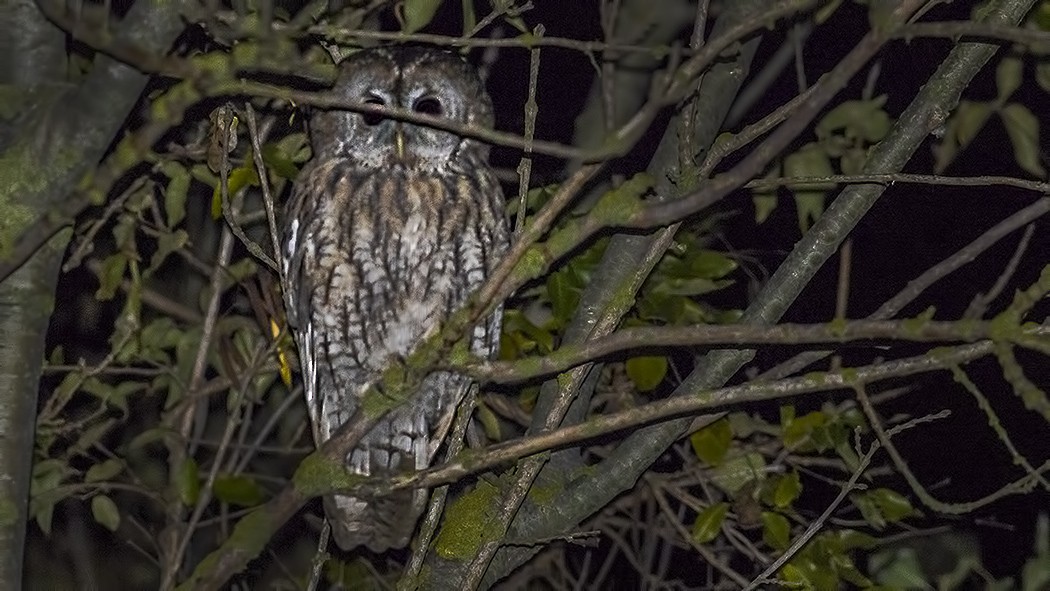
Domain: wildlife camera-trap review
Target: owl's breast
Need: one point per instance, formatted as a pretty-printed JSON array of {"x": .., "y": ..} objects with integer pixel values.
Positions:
[{"x": 395, "y": 259}]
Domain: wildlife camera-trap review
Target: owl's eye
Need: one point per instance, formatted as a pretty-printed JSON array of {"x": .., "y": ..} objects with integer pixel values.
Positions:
[
  {"x": 373, "y": 119},
  {"x": 427, "y": 105}
]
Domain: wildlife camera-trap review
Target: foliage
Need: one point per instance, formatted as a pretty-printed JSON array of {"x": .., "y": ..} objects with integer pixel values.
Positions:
[{"x": 175, "y": 409}]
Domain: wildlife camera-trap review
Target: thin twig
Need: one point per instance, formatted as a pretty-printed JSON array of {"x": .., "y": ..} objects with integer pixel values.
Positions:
[
  {"x": 235, "y": 226},
  {"x": 1023, "y": 484},
  {"x": 440, "y": 494},
  {"x": 531, "y": 110},
  {"x": 699, "y": 402},
  {"x": 847, "y": 488},
  {"x": 980, "y": 302},
  {"x": 183, "y": 417},
  {"x": 317, "y": 565},
  {"x": 708, "y": 556},
  {"x": 906, "y": 178},
  {"x": 729, "y": 335},
  {"x": 917, "y": 286},
  {"x": 264, "y": 182},
  {"x": 87, "y": 243}
]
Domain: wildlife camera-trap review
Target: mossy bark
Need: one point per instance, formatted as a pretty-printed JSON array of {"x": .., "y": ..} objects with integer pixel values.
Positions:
[{"x": 52, "y": 133}]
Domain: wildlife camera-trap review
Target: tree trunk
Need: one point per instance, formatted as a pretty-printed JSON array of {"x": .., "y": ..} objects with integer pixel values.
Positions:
[{"x": 51, "y": 135}]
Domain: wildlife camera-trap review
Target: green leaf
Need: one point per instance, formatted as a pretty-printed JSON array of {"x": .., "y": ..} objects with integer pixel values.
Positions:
[
  {"x": 277, "y": 159},
  {"x": 793, "y": 575},
  {"x": 869, "y": 510},
  {"x": 355, "y": 575},
  {"x": 238, "y": 179},
  {"x": 489, "y": 421},
  {"x": 176, "y": 193},
  {"x": 863, "y": 120},
  {"x": 970, "y": 118},
  {"x": 849, "y": 539},
  {"x": 416, "y": 14},
  {"x": 809, "y": 161},
  {"x": 92, "y": 435},
  {"x": 1008, "y": 75},
  {"x": 764, "y": 206},
  {"x": 692, "y": 286},
  {"x": 1042, "y": 74},
  {"x": 1023, "y": 128},
  {"x": 188, "y": 482},
  {"x": 470, "y": 18},
  {"x": 124, "y": 234},
  {"x": 617, "y": 205},
  {"x": 712, "y": 442},
  {"x": 240, "y": 271},
  {"x": 808, "y": 207},
  {"x": 163, "y": 332},
  {"x": 848, "y": 571},
  {"x": 646, "y": 372},
  {"x": 897, "y": 568},
  {"x": 964, "y": 124},
  {"x": 708, "y": 523},
  {"x": 788, "y": 488},
  {"x": 47, "y": 475},
  {"x": 849, "y": 455},
  {"x": 43, "y": 516},
  {"x": 1041, "y": 16},
  {"x": 110, "y": 275},
  {"x": 892, "y": 504},
  {"x": 1036, "y": 572},
  {"x": 104, "y": 470},
  {"x": 524, "y": 336},
  {"x": 105, "y": 512},
  {"x": 57, "y": 356},
  {"x": 825, "y": 11},
  {"x": 852, "y": 160},
  {"x": 114, "y": 396},
  {"x": 167, "y": 243},
  {"x": 564, "y": 292},
  {"x": 765, "y": 200},
  {"x": 164, "y": 434},
  {"x": 734, "y": 473},
  {"x": 776, "y": 530},
  {"x": 799, "y": 431},
  {"x": 712, "y": 264},
  {"x": 238, "y": 490}
]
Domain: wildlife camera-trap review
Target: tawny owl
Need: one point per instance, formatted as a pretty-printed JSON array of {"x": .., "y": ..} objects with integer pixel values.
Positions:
[{"x": 390, "y": 227}]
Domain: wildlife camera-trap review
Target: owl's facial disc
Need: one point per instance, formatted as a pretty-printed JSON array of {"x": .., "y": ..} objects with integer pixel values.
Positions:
[
  {"x": 425, "y": 81},
  {"x": 426, "y": 146},
  {"x": 400, "y": 142}
]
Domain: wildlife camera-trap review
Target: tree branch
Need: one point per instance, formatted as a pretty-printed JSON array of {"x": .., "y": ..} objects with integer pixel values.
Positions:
[
  {"x": 57, "y": 135},
  {"x": 635, "y": 454},
  {"x": 729, "y": 335}
]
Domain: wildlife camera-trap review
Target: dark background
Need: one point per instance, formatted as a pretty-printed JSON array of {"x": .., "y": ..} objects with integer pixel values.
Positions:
[{"x": 910, "y": 229}]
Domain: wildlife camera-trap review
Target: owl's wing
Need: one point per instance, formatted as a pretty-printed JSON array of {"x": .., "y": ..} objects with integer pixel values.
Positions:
[
  {"x": 298, "y": 287},
  {"x": 479, "y": 249}
]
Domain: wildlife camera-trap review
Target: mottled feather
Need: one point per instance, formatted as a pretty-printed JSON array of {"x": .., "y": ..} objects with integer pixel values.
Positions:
[{"x": 381, "y": 243}]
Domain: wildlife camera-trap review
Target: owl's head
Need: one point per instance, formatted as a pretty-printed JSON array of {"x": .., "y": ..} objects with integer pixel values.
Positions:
[{"x": 425, "y": 80}]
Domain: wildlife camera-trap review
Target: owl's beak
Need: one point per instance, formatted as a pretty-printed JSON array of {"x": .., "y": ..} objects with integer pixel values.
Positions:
[{"x": 399, "y": 143}]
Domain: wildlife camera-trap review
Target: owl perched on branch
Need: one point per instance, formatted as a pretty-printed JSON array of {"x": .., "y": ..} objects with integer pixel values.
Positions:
[{"x": 390, "y": 228}]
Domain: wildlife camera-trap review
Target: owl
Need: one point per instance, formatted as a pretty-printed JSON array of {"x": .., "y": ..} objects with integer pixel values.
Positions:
[{"x": 389, "y": 229}]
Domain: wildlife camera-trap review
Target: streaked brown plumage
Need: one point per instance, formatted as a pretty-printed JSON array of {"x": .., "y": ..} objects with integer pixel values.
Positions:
[{"x": 390, "y": 227}]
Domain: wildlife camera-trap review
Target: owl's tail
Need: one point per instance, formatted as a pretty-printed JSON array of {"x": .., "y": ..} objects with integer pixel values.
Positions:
[{"x": 398, "y": 444}]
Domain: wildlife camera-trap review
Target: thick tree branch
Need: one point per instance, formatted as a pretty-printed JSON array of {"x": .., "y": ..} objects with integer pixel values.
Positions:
[
  {"x": 57, "y": 135},
  {"x": 475, "y": 461},
  {"x": 636, "y": 453},
  {"x": 625, "y": 265},
  {"x": 656, "y": 338}
]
